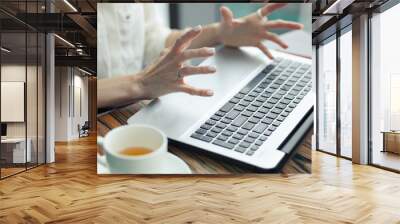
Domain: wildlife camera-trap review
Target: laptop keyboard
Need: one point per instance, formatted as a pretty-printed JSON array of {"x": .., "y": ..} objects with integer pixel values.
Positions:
[{"x": 257, "y": 110}]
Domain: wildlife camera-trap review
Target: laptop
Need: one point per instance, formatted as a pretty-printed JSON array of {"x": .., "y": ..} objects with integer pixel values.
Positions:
[{"x": 257, "y": 105}]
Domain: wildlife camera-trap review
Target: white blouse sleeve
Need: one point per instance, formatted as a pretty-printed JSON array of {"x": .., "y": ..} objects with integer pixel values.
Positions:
[{"x": 156, "y": 34}]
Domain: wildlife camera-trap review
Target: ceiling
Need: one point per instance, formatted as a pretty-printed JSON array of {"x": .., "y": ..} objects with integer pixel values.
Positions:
[
  {"x": 75, "y": 21},
  {"x": 72, "y": 20}
]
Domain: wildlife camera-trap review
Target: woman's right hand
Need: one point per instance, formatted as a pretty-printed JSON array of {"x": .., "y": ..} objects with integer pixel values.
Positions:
[{"x": 167, "y": 74}]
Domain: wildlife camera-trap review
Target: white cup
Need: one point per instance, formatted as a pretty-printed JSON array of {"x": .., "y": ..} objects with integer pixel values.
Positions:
[{"x": 133, "y": 136}]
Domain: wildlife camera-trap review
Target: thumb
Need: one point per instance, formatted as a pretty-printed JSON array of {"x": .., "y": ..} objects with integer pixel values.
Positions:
[{"x": 226, "y": 16}]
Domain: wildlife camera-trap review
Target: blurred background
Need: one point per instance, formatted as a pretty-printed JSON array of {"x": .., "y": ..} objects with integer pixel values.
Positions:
[{"x": 189, "y": 14}]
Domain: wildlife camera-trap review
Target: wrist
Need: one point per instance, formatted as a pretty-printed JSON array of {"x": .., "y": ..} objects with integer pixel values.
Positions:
[
  {"x": 139, "y": 88},
  {"x": 216, "y": 30}
]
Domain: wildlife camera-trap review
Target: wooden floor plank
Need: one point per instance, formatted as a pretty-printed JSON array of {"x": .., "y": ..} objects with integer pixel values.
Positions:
[{"x": 70, "y": 191}]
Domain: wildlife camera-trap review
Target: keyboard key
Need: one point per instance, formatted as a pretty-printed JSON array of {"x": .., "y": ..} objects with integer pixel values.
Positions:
[
  {"x": 276, "y": 110},
  {"x": 243, "y": 132},
  {"x": 239, "y": 108},
  {"x": 223, "y": 144},
  {"x": 234, "y": 100},
  {"x": 250, "y": 152},
  {"x": 253, "y": 135},
  {"x": 212, "y": 134},
  {"x": 260, "y": 128},
  {"x": 221, "y": 125},
  {"x": 233, "y": 141},
  {"x": 206, "y": 126},
  {"x": 281, "y": 106},
  {"x": 276, "y": 123},
  {"x": 226, "y": 121},
  {"x": 267, "y": 132},
  {"x": 258, "y": 115},
  {"x": 244, "y": 103},
  {"x": 272, "y": 101},
  {"x": 216, "y": 117},
  {"x": 254, "y": 148},
  {"x": 239, "y": 95},
  {"x": 217, "y": 130},
  {"x": 284, "y": 114},
  {"x": 256, "y": 103},
  {"x": 239, "y": 121},
  {"x": 222, "y": 138},
  {"x": 254, "y": 120},
  {"x": 240, "y": 149},
  {"x": 232, "y": 128},
  {"x": 244, "y": 144},
  {"x": 211, "y": 122},
  {"x": 245, "y": 90},
  {"x": 267, "y": 120},
  {"x": 232, "y": 114},
  {"x": 247, "y": 113},
  {"x": 261, "y": 99},
  {"x": 238, "y": 136},
  {"x": 227, "y": 107},
  {"x": 249, "y": 139},
  {"x": 263, "y": 110},
  {"x": 271, "y": 115},
  {"x": 248, "y": 126},
  {"x": 258, "y": 143},
  {"x": 268, "y": 105},
  {"x": 201, "y": 137},
  {"x": 249, "y": 98},
  {"x": 201, "y": 131},
  {"x": 253, "y": 94},
  {"x": 220, "y": 113},
  {"x": 252, "y": 108},
  {"x": 280, "y": 118},
  {"x": 227, "y": 133}
]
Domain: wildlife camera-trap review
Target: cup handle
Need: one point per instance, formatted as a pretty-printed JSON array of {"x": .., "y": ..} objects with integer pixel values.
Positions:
[{"x": 101, "y": 158}]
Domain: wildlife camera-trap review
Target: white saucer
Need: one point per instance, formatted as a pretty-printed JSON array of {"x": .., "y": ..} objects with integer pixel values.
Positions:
[{"x": 173, "y": 165}]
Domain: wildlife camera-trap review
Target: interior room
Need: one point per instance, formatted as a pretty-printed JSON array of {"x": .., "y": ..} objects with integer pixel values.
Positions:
[
  {"x": 48, "y": 76},
  {"x": 41, "y": 78},
  {"x": 385, "y": 89},
  {"x": 336, "y": 81}
]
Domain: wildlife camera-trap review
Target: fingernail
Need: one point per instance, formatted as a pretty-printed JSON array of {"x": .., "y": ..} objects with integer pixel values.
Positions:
[
  {"x": 209, "y": 92},
  {"x": 210, "y": 50},
  {"x": 211, "y": 69},
  {"x": 197, "y": 28}
]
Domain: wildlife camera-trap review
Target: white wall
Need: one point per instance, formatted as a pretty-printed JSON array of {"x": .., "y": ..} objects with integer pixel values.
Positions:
[{"x": 68, "y": 82}]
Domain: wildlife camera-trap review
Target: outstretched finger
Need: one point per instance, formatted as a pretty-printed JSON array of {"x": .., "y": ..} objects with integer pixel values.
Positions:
[
  {"x": 275, "y": 38},
  {"x": 184, "y": 41},
  {"x": 196, "y": 70},
  {"x": 269, "y": 8},
  {"x": 197, "y": 53},
  {"x": 265, "y": 50},
  {"x": 195, "y": 91},
  {"x": 282, "y": 24},
  {"x": 226, "y": 15}
]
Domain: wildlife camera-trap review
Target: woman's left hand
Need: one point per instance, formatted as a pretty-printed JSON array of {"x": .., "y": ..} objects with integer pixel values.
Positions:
[{"x": 251, "y": 30}]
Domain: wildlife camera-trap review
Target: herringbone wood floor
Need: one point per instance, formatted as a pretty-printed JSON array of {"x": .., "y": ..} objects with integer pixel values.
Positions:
[{"x": 70, "y": 191}]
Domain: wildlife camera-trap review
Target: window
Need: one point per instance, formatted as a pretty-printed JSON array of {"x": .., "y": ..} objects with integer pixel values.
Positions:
[
  {"x": 23, "y": 77},
  {"x": 346, "y": 94},
  {"x": 327, "y": 96},
  {"x": 385, "y": 89}
]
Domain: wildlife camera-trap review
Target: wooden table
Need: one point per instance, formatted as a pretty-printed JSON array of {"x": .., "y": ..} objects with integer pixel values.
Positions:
[{"x": 202, "y": 162}]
